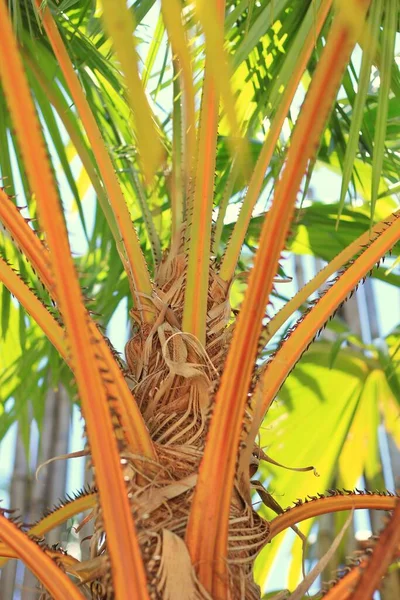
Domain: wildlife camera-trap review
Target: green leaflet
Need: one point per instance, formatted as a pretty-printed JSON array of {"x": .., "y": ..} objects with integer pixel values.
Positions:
[
  {"x": 388, "y": 44},
  {"x": 257, "y": 29},
  {"x": 360, "y": 99},
  {"x": 315, "y": 404}
]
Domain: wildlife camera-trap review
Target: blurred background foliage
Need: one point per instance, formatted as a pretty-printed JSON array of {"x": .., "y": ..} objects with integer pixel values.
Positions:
[{"x": 346, "y": 389}]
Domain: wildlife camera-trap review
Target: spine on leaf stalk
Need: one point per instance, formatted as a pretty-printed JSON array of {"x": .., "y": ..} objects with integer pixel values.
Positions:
[
  {"x": 333, "y": 501},
  {"x": 126, "y": 408},
  {"x": 211, "y": 500},
  {"x": 82, "y": 501},
  {"x": 363, "y": 575},
  {"x": 130, "y": 252},
  {"x": 291, "y": 349},
  {"x": 126, "y": 561}
]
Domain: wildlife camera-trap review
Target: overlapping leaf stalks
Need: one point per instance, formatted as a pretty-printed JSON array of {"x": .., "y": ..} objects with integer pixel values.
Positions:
[
  {"x": 174, "y": 380},
  {"x": 173, "y": 456}
]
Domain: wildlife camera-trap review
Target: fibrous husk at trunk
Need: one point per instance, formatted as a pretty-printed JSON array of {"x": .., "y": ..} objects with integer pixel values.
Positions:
[{"x": 174, "y": 380}]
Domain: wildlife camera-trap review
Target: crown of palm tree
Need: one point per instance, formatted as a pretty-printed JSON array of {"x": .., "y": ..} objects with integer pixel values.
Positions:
[{"x": 172, "y": 433}]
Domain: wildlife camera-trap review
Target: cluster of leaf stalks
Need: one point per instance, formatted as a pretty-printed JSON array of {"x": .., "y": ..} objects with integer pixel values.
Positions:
[{"x": 172, "y": 435}]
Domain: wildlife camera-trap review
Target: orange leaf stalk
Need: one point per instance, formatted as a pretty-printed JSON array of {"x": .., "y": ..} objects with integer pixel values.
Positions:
[
  {"x": 34, "y": 307},
  {"x": 381, "y": 558},
  {"x": 171, "y": 11},
  {"x": 127, "y": 567},
  {"x": 292, "y": 348},
  {"x": 316, "y": 282},
  {"x": 133, "y": 261},
  {"x": 232, "y": 253},
  {"x": 218, "y": 66},
  {"x": 54, "y": 580},
  {"x": 27, "y": 241},
  {"x": 211, "y": 503},
  {"x": 124, "y": 403},
  {"x": 199, "y": 215},
  {"x": 327, "y": 504},
  {"x": 54, "y": 95},
  {"x": 54, "y": 519},
  {"x": 343, "y": 588},
  {"x": 177, "y": 180}
]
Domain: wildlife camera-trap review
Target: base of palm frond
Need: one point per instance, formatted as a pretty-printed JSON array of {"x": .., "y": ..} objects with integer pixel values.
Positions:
[{"x": 175, "y": 380}]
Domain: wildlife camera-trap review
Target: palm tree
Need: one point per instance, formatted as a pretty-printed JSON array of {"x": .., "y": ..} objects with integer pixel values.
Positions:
[{"x": 172, "y": 434}]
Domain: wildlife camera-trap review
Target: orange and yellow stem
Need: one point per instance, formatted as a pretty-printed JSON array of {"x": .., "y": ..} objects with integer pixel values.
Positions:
[
  {"x": 54, "y": 95},
  {"x": 129, "y": 576},
  {"x": 330, "y": 504},
  {"x": 199, "y": 213},
  {"x": 133, "y": 260},
  {"x": 275, "y": 372},
  {"x": 177, "y": 180},
  {"x": 211, "y": 17},
  {"x": 316, "y": 282},
  {"x": 382, "y": 556},
  {"x": 56, "y": 582},
  {"x": 54, "y": 332},
  {"x": 343, "y": 588},
  {"x": 211, "y": 503},
  {"x": 56, "y": 518},
  {"x": 231, "y": 256},
  {"x": 124, "y": 404},
  {"x": 172, "y": 16},
  {"x": 27, "y": 241}
]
